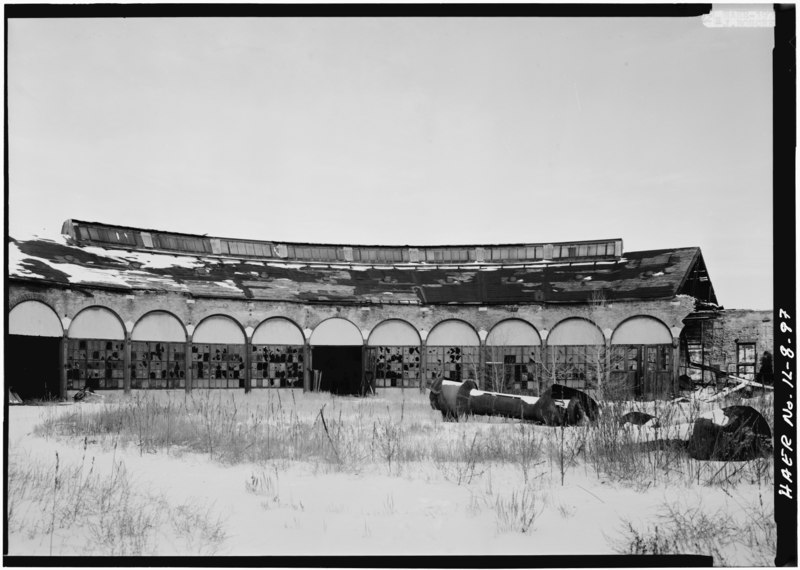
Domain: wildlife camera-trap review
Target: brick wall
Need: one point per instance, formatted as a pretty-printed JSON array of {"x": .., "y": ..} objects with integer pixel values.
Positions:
[
  {"x": 738, "y": 325},
  {"x": 68, "y": 302}
]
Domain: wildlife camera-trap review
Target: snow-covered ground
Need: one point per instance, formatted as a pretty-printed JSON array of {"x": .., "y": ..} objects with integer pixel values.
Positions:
[{"x": 312, "y": 507}]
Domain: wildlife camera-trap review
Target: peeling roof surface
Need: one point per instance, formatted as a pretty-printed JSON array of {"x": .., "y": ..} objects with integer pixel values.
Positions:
[{"x": 637, "y": 275}]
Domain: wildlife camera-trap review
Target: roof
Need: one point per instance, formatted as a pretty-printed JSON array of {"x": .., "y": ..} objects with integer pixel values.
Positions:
[{"x": 639, "y": 275}]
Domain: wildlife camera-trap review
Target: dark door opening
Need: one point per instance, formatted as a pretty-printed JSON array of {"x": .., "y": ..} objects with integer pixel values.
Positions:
[
  {"x": 341, "y": 368},
  {"x": 32, "y": 366}
]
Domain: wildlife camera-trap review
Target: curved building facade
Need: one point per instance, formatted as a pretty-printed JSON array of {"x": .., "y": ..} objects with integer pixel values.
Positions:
[{"x": 124, "y": 308}]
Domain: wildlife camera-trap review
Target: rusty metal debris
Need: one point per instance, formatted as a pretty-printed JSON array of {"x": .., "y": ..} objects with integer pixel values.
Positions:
[{"x": 559, "y": 405}]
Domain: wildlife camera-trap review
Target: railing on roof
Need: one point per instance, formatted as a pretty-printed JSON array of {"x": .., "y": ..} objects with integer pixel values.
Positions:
[{"x": 90, "y": 233}]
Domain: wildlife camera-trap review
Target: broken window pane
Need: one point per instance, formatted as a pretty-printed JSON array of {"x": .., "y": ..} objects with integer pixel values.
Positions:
[
  {"x": 158, "y": 365},
  {"x": 394, "y": 366},
  {"x": 276, "y": 366},
  {"x": 218, "y": 366},
  {"x": 96, "y": 364}
]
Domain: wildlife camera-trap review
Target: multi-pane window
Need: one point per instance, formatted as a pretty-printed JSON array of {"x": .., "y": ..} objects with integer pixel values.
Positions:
[
  {"x": 315, "y": 252},
  {"x": 513, "y": 369},
  {"x": 108, "y": 235},
  {"x": 276, "y": 366},
  {"x": 656, "y": 358},
  {"x": 96, "y": 364},
  {"x": 457, "y": 363},
  {"x": 746, "y": 360},
  {"x": 583, "y": 250},
  {"x": 218, "y": 366},
  {"x": 181, "y": 243},
  {"x": 447, "y": 255},
  {"x": 248, "y": 248},
  {"x": 374, "y": 254},
  {"x": 577, "y": 366},
  {"x": 158, "y": 365},
  {"x": 394, "y": 366}
]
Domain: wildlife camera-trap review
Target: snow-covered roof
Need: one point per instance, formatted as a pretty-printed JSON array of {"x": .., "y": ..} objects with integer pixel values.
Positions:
[{"x": 639, "y": 275}]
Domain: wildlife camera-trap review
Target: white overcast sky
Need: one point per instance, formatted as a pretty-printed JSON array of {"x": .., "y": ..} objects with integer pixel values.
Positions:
[{"x": 402, "y": 131}]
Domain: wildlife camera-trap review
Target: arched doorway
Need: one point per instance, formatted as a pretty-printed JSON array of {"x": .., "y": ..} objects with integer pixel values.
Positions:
[
  {"x": 33, "y": 351},
  {"x": 641, "y": 358},
  {"x": 337, "y": 350}
]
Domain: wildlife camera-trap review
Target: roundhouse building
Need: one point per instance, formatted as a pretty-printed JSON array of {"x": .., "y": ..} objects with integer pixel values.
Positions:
[{"x": 122, "y": 308}]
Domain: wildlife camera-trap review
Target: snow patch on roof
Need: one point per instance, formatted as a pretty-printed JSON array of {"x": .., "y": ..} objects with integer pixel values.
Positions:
[
  {"x": 229, "y": 283},
  {"x": 286, "y": 265},
  {"x": 75, "y": 273}
]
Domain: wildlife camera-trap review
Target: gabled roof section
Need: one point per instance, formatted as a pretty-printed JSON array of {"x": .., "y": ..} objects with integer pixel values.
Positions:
[
  {"x": 696, "y": 283},
  {"x": 656, "y": 274}
]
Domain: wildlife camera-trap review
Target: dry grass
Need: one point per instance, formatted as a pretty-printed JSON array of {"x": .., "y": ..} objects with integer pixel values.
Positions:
[
  {"x": 394, "y": 434},
  {"x": 51, "y": 500},
  {"x": 746, "y": 540}
]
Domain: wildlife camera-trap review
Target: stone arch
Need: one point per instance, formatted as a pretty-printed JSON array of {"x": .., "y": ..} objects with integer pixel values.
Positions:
[
  {"x": 453, "y": 332},
  {"x": 574, "y": 331},
  {"x": 218, "y": 329},
  {"x": 97, "y": 322},
  {"x": 34, "y": 318},
  {"x": 159, "y": 325},
  {"x": 641, "y": 329},
  {"x": 278, "y": 331},
  {"x": 513, "y": 332},
  {"x": 336, "y": 331},
  {"x": 394, "y": 332}
]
